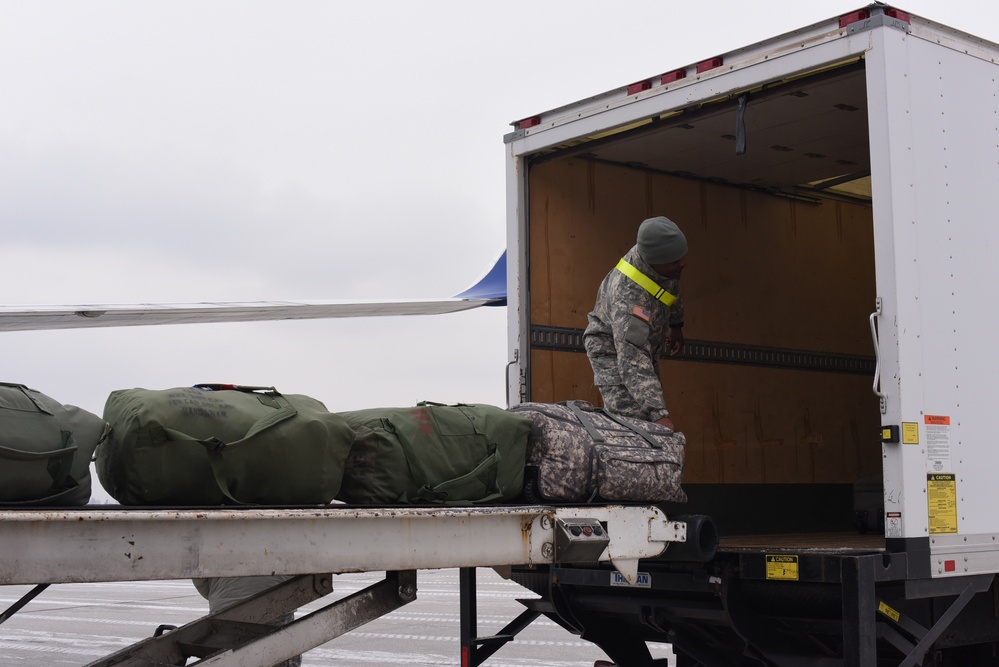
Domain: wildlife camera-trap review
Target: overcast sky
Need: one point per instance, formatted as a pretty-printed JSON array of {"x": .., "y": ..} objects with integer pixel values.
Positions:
[{"x": 236, "y": 150}]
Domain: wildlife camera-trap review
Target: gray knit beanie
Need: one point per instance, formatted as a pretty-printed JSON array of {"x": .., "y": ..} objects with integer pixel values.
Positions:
[{"x": 660, "y": 241}]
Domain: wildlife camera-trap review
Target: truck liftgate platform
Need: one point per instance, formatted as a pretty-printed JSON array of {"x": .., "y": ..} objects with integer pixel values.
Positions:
[{"x": 94, "y": 545}]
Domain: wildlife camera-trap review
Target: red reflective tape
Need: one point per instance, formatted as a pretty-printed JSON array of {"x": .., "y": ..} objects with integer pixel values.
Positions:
[
  {"x": 853, "y": 17},
  {"x": 709, "y": 64},
  {"x": 675, "y": 75}
]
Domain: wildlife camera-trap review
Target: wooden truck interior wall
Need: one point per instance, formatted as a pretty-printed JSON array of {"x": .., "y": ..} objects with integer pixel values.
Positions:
[{"x": 762, "y": 270}]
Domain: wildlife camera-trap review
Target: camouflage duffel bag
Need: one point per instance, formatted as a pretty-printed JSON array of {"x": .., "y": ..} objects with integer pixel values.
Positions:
[
  {"x": 45, "y": 449},
  {"x": 578, "y": 453}
]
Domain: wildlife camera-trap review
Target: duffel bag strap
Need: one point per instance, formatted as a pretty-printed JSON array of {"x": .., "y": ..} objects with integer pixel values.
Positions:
[
  {"x": 439, "y": 492},
  {"x": 48, "y": 473},
  {"x": 214, "y": 446},
  {"x": 587, "y": 423},
  {"x": 597, "y": 437},
  {"x": 633, "y": 428}
]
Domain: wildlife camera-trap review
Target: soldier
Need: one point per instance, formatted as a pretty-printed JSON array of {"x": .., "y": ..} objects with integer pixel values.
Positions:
[{"x": 638, "y": 314}]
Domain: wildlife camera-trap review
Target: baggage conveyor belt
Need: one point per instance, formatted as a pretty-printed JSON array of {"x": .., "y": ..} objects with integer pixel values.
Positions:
[
  {"x": 88, "y": 545},
  {"x": 92, "y": 544}
]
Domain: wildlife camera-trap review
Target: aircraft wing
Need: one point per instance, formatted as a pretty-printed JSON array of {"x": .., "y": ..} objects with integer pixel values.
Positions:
[{"x": 490, "y": 291}]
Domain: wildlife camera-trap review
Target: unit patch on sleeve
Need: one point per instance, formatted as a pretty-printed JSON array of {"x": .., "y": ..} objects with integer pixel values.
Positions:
[{"x": 641, "y": 313}]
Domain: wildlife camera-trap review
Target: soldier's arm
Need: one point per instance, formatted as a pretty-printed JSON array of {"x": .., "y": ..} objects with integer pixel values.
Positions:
[
  {"x": 676, "y": 315},
  {"x": 635, "y": 359}
]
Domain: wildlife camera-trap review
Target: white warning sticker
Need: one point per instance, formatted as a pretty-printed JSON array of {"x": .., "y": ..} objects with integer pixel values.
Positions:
[
  {"x": 937, "y": 438},
  {"x": 893, "y": 524}
]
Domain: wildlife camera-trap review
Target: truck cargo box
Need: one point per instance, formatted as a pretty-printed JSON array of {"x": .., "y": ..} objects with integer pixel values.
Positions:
[{"x": 834, "y": 185}]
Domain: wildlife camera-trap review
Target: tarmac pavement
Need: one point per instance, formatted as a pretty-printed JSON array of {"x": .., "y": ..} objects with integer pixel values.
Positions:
[{"x": 74, "y": 624}]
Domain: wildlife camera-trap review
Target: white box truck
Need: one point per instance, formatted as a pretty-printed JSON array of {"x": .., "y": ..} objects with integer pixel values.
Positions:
[{"x": 834, "y": 185}]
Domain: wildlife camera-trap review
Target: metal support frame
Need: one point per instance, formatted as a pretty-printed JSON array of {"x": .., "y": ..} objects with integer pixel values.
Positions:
[
  {"x": 476, "y": 650},
  {"x": 926, "y": 636},
  {"x": 859, "y": 645},
  {"x": 874, "y": 589},
  {"x": 861, "y": 606},
  {"x": 25, "y": 599},
  {"x": 241, "y": 634},
  {"x": 130, "y": 544}
]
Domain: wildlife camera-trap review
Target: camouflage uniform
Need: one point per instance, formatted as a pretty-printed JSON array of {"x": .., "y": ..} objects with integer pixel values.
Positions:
[{"x": 626, "y": 335}]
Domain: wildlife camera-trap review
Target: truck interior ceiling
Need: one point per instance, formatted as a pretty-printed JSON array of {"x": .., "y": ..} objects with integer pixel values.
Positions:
[{"x": 773, "y": 390}]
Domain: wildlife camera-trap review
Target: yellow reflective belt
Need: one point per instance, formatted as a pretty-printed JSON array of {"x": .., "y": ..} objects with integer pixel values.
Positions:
[{"x": 644, "y": 281}]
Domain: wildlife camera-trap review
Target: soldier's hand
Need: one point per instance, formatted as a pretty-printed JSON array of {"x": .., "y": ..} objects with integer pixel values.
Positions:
[
  {"x": 667, "y": 422},
  {"x": 675, "y": 342}
]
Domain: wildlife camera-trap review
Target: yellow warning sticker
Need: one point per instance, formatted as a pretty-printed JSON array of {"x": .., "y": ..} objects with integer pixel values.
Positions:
[
  {"x": 889, "y": 612},
  {"x": 910, "y": 433},
  {"x": 782, "y": 567},
  {"x": 941, "y": 496}
]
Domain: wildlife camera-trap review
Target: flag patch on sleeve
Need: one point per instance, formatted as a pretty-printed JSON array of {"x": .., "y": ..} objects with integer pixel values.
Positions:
[{"x": 640, "y": 313}]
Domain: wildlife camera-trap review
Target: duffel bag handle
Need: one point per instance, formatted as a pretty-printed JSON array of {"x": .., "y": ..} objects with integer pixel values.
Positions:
[
  {"x": 634, "y": 428},
  {"x": 596, "y": 435},
  {"x": 439, "y": 492},
  {"x": 234, "y": 387},
  {"x": 490, "y": 463},
  {"x": 435, "y": 404},
  {"x": 214, "y": 446}
]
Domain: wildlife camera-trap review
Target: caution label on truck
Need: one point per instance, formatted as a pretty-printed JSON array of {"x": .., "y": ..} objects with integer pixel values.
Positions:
[
  {"x": 893, "y": 524},
  {"x": 941, "y": 496},
  {"x": 937, "y": 430},
  {"x": 889, "y": 612},
  {"x": 782, "y": 567}
]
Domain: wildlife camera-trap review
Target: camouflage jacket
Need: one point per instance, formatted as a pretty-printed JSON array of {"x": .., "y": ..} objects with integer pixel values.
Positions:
[{"x": 627, "y": 333}]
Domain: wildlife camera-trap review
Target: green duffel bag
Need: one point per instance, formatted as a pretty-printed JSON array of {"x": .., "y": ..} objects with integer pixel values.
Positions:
[
  {"x": 435, "y": 454},
  {"x": 221, "y": 444},
  {"x": 45, "y": 449}
]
